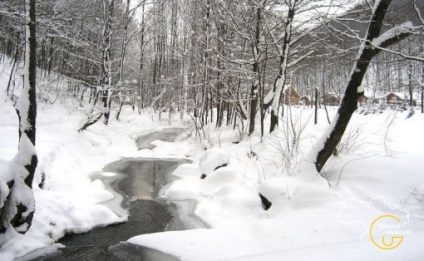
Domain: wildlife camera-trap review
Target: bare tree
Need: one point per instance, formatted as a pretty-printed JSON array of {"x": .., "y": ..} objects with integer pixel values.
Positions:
[
  {"x": 17, "y": 204},
  {"x": 106, "y": 80},
  {"x": 370, "y": 47},
  {"x": 272, "y": 99},
  {"x": 254, "y": 90},
  {"x": 106, "y": 72}
]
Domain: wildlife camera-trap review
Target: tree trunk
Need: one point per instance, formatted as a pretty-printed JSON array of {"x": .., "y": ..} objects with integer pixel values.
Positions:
[
  {"x": 349, "y": 102},
  {"x": 205, "y": 91},
  {"x": 410, "y": 84},
  {"x": 107, "y": 62},
  {"x": 273, "y": 98},
  {"x": 17, "y": 208},
  {"x": 316, "y": 106},
  {"x": 141, "y": 79},
  {"x": 422, "y": 82},
  {"x": 123, "y": 51},
  {"x": 254, "y": 90}
]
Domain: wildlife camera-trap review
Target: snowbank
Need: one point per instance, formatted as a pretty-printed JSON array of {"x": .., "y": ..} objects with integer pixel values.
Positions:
[
  {"x": 213, "y": 159},
  {"x": 68, "y": 199},
  {"x": 378, "y": 171}
]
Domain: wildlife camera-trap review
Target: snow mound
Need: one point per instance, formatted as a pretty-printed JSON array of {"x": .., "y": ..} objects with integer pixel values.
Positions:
[
  {"x": 218, "y": 179},
  {"x": 213, "y": 159},
  {"x": 221, "y": 198},
  {"x": 188, "y": 171}
]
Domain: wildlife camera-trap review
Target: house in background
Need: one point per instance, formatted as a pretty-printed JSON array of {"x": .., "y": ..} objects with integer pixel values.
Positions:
[
  {"x": 305, "y": 101},
  {"x": 363, "y": 100},
  {"x": 331, "y": 99},
  {"x": 391, "y": 98},
  {"x": 291, "y": 97}
]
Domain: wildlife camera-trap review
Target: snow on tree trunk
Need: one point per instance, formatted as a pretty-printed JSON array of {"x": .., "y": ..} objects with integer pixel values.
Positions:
[
  {"x": 126, "y": 20},
  {"x": 106, "y": 77},
  {"x": 281, "y": 77},
  {"x": 17, "y": 204},
  {"x": 369, "y": 48},
  {"x": 185, "y": 90},
  {"x": 106, "y": 56},
  {"x": 254, "y": 91},
  {"x": 206, "y": 57}
]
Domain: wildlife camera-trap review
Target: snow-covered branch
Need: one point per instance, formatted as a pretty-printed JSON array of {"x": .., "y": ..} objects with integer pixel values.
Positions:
[
  {"x": 298, "y": 60},
  {"x": 417, "y": 10},
  {"x": 393, "y": 35}
]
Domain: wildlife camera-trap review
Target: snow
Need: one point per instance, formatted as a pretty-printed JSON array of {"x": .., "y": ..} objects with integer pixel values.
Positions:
[
  {"x": 26, "y": 151},
  {"x": 392, "y": 33},
  {"x": 376, "y": 4},
  {"x": 108, "y": 174},
  {"x": 268, "y": 98},
  {"x": 6, "y": 176},
  {"x": 213, "y": 159},
  {"x": 69, "y": 199},
  {"x": 319, "y": 145},
  {"x": 23, "y": 102},
  {"x": 308, "y": 220},
  {"x": 311, "y": 218}
]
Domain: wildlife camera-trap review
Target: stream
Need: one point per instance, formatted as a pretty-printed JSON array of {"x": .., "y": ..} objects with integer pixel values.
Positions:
[{"x": 136, "y": 186}]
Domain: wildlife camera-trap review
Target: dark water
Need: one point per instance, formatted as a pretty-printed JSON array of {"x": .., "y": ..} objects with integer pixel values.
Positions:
[
  {"x": 139, "y": 181},
  {"x": 169, "y": 135}
]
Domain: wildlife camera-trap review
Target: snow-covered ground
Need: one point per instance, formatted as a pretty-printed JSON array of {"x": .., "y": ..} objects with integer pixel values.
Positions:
[
  {"x": 378, "y": 171},
  {"x": 70, "y": 200}
]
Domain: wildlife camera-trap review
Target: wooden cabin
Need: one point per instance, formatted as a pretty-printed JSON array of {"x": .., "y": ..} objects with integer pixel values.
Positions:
[
  {"x": 363, "y": 100},
  {"x": 291, "y": 97},
  {"x": 331, "y": 99},
  {"x": 393, "y": 98},
  {"x": 304, "y": 100}
]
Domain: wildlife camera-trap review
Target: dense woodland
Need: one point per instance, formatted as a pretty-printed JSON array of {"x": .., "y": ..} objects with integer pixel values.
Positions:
[{"x": 198, "y": 55}]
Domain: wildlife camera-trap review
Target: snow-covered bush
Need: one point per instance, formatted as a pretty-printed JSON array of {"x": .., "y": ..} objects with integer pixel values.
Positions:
[{"x": 213, "y": 159}]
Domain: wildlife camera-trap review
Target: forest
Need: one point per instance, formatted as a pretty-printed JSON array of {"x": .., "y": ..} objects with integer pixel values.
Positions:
[{"x": 183, "y": 55}]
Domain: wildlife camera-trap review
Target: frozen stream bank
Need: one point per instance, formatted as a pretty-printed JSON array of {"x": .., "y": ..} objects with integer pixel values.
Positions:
[{"x": 138, "y": 181}]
